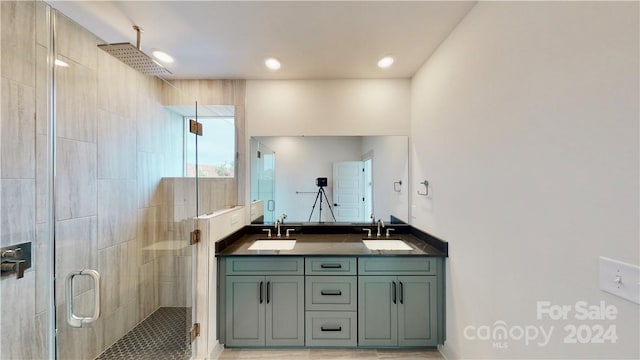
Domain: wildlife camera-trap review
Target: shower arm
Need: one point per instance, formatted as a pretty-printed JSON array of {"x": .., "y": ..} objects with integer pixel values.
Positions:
[{"x": 138, "y": 30}]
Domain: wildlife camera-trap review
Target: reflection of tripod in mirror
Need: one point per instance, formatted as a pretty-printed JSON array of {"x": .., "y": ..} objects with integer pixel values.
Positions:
[{"x": 321, "y": 193}]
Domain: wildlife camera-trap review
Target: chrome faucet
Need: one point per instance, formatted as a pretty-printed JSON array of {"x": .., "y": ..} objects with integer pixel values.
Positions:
[
  {"x": 277, "y": 226},
  {"x": 380, "y": 226}
]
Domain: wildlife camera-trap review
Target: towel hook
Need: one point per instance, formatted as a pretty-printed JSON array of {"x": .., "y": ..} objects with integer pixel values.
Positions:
[
  {"x": 397, "y": 188},
  {"x": 426, "y": 186}
]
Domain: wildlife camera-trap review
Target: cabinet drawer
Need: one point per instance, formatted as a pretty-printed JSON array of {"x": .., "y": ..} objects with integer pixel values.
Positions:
[
  {"x": 328, "y": 328},
  {"x": 265, "y": 266},
  {"x": 397, "y": 266},
  {"x": 335, "y": 293},
  {"x": 330, "y": 266}
]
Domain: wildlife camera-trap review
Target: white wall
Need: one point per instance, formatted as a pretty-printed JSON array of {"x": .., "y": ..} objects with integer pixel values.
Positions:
[
  {"x": 525, "y": 121},
  {"x": 390, "y": 164},
  {"x": 328, "y": 107}
]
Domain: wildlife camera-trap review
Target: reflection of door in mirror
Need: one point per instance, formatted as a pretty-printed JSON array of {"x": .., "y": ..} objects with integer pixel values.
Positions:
[
  {"x": 368, "y": 187},
  {"x": 348, "y": 191},
  {"x": 263, "y": 170}
]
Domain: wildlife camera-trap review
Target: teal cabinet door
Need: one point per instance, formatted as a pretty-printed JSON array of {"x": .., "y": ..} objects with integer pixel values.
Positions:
[
  {"x": 377, "y": 311},
  {"x": 245, "y": 318},
  {"x": 417, "y": 316},
  {"x": 284, "y": 310}
]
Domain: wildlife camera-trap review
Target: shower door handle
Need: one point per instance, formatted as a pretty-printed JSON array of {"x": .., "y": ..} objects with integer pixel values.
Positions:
[
  {"x": 82, "y": 321},
  {"x": 271, "y": 205}
]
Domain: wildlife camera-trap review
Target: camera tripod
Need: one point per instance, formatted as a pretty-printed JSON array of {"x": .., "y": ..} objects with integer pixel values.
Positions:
[{"x": 321, "y": 193}]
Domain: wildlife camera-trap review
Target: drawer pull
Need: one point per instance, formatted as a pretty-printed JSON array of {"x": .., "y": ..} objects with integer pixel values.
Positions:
[
  {"x": 329, "y": 328},
  {"x": 268, "y": 297},
  {"x": 260, "y": 285},
  {"x": 331, "y": 266},
  {"x": 393, "y": 292},
  {"x": 331, "y": 292}
]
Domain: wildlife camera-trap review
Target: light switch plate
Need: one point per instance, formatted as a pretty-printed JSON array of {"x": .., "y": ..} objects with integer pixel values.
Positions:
[{"x": 620, "y": 279}]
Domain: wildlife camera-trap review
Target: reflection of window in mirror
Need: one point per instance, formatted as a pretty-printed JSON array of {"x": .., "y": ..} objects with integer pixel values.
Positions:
[{"x": 216, "y": 148}]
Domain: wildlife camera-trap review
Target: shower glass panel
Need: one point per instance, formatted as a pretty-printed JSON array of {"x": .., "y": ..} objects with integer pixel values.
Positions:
[
  {"x": 123, "y": 215},
  {"x": 263, "y": 172},
  {"x": 95, "y": 177},
  {"x": 25, "y": 218}
]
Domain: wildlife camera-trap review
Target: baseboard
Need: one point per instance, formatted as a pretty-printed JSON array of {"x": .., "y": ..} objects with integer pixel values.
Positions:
[
  {"x": 217, "y": 350},
  {"x": 440, "y": 347}
]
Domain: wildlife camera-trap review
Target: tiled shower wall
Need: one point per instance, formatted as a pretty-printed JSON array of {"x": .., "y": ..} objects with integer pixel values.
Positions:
[{"x": 23, "y": 176}]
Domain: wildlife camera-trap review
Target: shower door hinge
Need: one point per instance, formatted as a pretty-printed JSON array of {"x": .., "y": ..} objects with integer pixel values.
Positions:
[
  {"x": 195, "y": 127},
  {"x": 195, "y": 237},
  {"x": 195, "y": 331}
]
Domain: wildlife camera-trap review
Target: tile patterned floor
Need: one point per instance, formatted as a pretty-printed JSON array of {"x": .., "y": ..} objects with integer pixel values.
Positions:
[
  {"x": 333, "y": 354},
  {"x": 162, "y": 335}
]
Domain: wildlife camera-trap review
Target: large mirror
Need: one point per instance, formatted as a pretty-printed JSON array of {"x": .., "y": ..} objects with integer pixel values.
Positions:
[{"x": 364, "y": 175}]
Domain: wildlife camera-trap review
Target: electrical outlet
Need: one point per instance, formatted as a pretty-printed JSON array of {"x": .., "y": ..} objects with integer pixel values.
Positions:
[{"x": 620, "y": 279}]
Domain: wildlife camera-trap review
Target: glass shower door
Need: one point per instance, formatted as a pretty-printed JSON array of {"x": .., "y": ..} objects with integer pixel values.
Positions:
[{"x": 123, "y": 212}]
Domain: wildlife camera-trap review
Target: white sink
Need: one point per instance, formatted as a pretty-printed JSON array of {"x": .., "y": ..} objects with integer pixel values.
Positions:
[
  {"x": 386, "y": 245},
  {"x": 272, "y": 245}
]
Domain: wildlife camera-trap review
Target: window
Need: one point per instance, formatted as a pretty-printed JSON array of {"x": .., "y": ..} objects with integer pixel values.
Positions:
[{"x": 216, "y": 147}]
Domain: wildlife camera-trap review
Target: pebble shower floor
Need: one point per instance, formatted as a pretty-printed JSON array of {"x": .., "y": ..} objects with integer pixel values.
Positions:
[{"x": 162, "y": 335}]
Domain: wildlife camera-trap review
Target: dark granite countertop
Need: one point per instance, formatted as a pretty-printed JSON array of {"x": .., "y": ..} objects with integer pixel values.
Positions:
[{"x": 331, "y": 240}]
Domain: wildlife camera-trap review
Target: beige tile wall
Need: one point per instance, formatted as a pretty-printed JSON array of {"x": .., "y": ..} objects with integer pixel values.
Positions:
[{"x": 21, "y": 301}]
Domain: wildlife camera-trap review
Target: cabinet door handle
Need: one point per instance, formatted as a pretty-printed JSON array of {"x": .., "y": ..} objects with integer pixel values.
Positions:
[
  {"x": 261, "y": 285},
  {"x": 268, "y": 297},
  {"x": 401, "y": 293},
  {"x": 331, "y": 292},
  {"x": 331, "y": 266},
  {"x": 323, "y": 328},
  {"x": 393, "y": 291}
]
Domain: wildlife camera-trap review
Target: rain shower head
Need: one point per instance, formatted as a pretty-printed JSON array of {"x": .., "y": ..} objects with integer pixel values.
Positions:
[{"x": 134, "y": 57}]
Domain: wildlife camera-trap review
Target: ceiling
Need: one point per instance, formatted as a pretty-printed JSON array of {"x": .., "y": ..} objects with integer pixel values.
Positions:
[{"x": 312, "y": 39}]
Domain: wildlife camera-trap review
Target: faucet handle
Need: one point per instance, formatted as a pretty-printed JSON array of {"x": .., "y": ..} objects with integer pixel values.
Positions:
[
  {"x": 17, "y": 266},
  {"x": 388, "y": 231},
  {"x": 268, "y": 232},
  {"x": 12, "y": 253},
  {"x": 368, "y": 231},
  {"x": 288, "y": 232}
]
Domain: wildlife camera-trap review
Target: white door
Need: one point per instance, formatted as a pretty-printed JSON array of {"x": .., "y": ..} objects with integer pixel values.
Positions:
[{"x": 348, "y": 191}]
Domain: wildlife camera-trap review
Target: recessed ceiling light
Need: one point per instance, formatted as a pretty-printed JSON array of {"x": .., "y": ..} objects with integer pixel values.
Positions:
[
  {"x": 385, "y": 62},
  {"x": 59, "y": 62},
  {"x": 272, "y": 63},
  {"x": 162, "y": 56}
]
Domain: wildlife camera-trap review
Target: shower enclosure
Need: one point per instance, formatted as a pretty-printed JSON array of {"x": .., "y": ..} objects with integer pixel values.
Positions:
[{"x": 86, "y": 147}]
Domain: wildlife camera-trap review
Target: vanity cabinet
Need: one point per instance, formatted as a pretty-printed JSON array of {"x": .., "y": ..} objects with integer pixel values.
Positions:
[
  {"x": 264, "y": 310},
  {"x": 397, "y": 310},
  {"x": 367, "y": 301}
]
